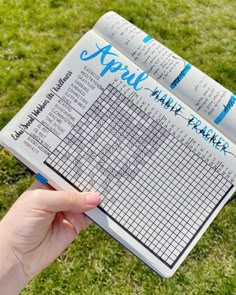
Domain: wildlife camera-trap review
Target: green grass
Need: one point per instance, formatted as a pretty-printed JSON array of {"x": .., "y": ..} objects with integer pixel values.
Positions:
[{"x": 34, "y": 37}]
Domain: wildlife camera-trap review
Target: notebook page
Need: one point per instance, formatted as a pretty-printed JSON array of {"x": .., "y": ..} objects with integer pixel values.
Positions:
[{"x": 204, "y": 95}]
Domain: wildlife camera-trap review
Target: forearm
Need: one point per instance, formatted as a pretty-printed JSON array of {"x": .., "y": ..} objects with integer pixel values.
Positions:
[{"x": 12, "y": 277}]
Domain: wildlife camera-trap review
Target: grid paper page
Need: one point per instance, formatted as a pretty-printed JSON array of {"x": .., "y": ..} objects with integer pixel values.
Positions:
[{"x": 151, "y": 184}]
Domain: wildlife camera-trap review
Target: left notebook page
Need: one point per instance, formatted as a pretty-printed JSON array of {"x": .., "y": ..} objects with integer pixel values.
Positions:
[{"x": 43, "y": 135}]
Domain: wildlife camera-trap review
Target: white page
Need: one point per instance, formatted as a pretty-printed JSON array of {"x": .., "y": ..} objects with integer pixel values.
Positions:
[
  {"x": 204, "y": 95},
  {"x": 160, "y": 181}
]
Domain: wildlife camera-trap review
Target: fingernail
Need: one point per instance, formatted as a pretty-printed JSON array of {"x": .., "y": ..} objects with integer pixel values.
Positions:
[{"x": 92, "y": 199}]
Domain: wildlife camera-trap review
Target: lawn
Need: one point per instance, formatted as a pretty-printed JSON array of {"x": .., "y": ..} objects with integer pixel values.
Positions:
[{"x": 34, "y": 37}]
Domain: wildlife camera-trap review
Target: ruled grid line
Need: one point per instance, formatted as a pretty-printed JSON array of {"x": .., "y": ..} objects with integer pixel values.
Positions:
[{"x": 154, "y": 187}]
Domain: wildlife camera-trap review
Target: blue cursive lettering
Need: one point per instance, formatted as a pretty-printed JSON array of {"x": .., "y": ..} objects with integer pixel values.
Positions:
[
  {"x": 113, "y": 66},
  {"x": 208, "y": 134}
]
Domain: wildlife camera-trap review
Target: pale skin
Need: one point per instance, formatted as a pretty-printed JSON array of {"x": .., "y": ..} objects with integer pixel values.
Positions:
[{"x": 36, "y": 230}]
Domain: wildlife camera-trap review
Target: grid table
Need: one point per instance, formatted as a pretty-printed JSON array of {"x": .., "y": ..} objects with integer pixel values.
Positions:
[{"x": 151, "y": 184}]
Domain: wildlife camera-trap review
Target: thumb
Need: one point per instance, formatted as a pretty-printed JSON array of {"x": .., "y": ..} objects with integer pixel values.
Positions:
[{"x": 56, "y": 201}]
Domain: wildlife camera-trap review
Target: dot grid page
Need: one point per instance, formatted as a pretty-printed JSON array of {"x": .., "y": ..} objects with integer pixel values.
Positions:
[{"x": 154, "y": 187}]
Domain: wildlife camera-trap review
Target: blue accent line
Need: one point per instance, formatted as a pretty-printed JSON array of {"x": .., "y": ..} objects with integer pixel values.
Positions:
[
  {"x": 181, "y": 75},
  {"x": 226, "y": 109},
  {"x": 147, "y": 39},
  {"x": 41, "y": 178}
]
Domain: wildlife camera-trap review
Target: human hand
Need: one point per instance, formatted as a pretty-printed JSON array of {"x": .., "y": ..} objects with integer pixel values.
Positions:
[{"x": 38, "y": 227}]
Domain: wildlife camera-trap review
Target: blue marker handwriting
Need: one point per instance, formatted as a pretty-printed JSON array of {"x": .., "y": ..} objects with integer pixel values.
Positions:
[
  {"x": 226, "y": 109},
  {"x": 165, "y": 100},
  {"x": 208, "y": 134},
  {"x": 197, "y": 126},
  {"x": 180, "y": 77},
  {"x": 111, "y": 63}
]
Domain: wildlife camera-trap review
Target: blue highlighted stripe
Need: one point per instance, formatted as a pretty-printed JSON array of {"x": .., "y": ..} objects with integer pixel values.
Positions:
[
  {"x": 226, "y": 109},
  {"x": 147, "y": 39},
  {"x": 181, "y": 75},
  {"x": 41, "y": 178}
]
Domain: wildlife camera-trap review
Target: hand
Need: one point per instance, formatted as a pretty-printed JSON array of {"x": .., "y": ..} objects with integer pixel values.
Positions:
[{"x": 38, "y": 227}]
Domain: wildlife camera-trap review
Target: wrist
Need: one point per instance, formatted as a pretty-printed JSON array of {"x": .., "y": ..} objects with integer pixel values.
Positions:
[{"x": 12, "y": 276}]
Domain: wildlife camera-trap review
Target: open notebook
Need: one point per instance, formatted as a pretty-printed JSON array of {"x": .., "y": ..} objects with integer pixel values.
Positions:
[{"x": 125, "y": 116}]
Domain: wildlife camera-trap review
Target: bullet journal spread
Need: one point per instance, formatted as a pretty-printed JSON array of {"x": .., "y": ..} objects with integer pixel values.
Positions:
[{"x": 125, "y": 116}]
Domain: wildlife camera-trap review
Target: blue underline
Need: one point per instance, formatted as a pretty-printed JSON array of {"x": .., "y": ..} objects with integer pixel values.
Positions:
[
  {"x": 226, "y": 109},
  {"x": 181, "y": 75}
]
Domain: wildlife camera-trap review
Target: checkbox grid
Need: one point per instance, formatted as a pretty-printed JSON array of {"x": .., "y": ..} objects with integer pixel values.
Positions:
[{"x": 151, "y": 184}]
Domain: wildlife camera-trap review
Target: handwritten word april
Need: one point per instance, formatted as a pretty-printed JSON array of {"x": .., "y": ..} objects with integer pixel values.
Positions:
[{"x": 113, "y": 65}]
